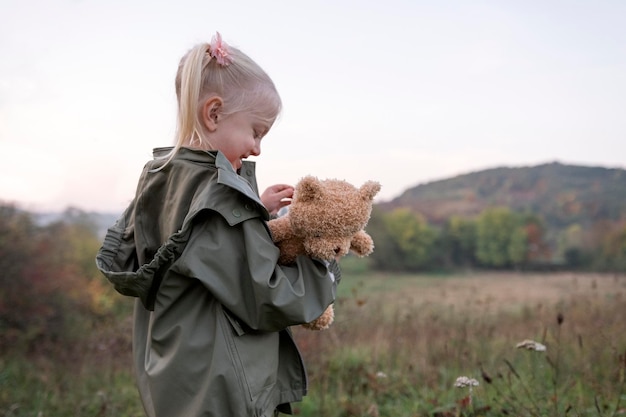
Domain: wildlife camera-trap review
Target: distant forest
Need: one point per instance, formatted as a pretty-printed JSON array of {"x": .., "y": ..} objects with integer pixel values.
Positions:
[
  {"x": 550, "y": 216},
  {"x": 50, "y": 288},
  {"x": 545, "y": 217}
]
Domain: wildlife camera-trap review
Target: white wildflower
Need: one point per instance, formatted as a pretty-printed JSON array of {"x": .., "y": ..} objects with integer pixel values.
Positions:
[
  {"x": 381, "y": 374},
  {"x": 464, "y": 381},
  {"x": 531, "y": 345}
]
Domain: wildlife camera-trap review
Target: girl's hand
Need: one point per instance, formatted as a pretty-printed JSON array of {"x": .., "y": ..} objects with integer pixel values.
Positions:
[{"x": 276, "y": 197}]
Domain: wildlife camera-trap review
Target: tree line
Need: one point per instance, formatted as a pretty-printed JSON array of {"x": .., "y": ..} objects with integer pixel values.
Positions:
[
  {"x": 498, "y": 238},
  {"x": 50, "y": 288}
]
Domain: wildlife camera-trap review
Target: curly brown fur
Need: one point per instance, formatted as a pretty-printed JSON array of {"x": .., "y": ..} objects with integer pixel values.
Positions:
[{"x": 326, "y": 220}]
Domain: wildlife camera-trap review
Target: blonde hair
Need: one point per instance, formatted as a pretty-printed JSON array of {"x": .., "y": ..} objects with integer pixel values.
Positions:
[{"x": 242, "y": 85}]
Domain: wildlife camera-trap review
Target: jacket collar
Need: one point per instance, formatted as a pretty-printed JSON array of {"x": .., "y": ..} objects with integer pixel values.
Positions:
[{"x": 244, "y": 181}]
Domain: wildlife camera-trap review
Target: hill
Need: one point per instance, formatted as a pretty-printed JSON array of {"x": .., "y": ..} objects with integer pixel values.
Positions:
[
  {"x": 560, "y": 194},
  {"x": 99, "y": 221}
]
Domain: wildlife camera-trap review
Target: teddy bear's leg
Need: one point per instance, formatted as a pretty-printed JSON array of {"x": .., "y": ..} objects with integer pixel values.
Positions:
[{"x": 322, "y": 322}]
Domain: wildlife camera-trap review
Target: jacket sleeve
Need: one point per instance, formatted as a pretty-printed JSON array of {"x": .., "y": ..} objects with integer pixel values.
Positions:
[{"x": 238, "y": 264}]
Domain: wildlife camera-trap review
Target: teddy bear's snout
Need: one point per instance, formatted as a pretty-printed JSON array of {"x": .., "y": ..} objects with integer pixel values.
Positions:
[{"x": 342, "y": 249}]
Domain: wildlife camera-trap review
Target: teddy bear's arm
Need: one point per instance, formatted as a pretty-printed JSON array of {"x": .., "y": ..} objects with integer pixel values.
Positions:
[
  {"x": 280, "y": 228},
  {"x": 362, "y": 243}
]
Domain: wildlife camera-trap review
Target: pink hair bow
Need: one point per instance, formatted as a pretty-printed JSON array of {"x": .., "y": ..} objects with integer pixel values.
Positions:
[{"x": 219, "y": 50}]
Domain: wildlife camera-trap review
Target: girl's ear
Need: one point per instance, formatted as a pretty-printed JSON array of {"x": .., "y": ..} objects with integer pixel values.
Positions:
[{"x": 211, "y": 112}]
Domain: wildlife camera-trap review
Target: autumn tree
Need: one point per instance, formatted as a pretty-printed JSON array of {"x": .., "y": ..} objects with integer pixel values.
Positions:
[
  {"x": 49, "y": 285},
  {"x": 494, "y": 229},
  {"x": 458, "y": 237},
  {"x": 613, "y": 255},
  {"x": 17, "y": 249},
  {"x": 386, "y": 255},
  {"x": 410, "y": 238}
]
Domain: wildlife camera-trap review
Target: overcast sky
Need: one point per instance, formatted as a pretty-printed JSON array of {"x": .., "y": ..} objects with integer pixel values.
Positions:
[{"x": 402, "y": 92}]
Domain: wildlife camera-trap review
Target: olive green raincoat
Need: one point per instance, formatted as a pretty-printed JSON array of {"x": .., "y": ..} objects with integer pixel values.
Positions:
[{"x": 210, "y": 335}]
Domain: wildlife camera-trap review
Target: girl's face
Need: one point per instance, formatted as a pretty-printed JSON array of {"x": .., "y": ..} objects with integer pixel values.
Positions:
[{"x": 238, "y": 136}]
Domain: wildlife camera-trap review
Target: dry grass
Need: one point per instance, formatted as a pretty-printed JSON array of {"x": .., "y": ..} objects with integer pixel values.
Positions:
[
  {"x": 398, "y": 344},
  {"x": 422, "y": 332},
  {"x": 481, "y": 292}
]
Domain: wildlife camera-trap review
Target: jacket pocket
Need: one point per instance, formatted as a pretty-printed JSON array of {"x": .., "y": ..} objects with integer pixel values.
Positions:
[{"x": 255, "y": 357}]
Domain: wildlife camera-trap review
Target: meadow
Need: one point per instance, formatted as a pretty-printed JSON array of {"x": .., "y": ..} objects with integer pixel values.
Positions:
[{"x": 402, "y": 345}]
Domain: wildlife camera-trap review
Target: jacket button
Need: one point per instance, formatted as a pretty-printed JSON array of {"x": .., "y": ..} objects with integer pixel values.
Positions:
[
  {"x": 236, "y": 213},
  {"x": 248, "y": 206}
]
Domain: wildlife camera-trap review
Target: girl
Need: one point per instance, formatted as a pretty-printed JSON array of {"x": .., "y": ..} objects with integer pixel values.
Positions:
[{"x": 210, "y": 334}]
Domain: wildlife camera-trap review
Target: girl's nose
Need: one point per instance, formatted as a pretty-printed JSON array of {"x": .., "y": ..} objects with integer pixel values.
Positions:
[{"x": 256, "y": 151}]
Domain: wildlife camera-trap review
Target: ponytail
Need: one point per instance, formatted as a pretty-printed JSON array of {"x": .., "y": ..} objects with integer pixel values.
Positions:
[
  {"x": 188, "y": 84},
  {"x": 187, "y": 129}
]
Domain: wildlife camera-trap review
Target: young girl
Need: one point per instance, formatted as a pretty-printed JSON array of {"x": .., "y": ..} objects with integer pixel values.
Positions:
[{"x": 210, "y": 335}]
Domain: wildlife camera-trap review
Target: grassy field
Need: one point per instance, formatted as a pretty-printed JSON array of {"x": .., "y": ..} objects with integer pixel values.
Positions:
[
  {"x": 397, "y": 348},
  {"x": 400, "y": 343}
]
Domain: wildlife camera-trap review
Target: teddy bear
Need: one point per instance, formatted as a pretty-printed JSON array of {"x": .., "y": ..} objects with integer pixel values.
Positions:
[{"x": 326, "y": 220}]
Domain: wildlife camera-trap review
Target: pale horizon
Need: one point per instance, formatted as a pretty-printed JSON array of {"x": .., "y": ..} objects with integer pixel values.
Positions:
[{"x": 404, "y": 93}]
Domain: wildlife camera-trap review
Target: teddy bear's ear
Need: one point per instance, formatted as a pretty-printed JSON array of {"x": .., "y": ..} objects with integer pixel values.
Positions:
[
  {"x": 369, "y": 190},
  {"x": 308, "y": 189}
]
